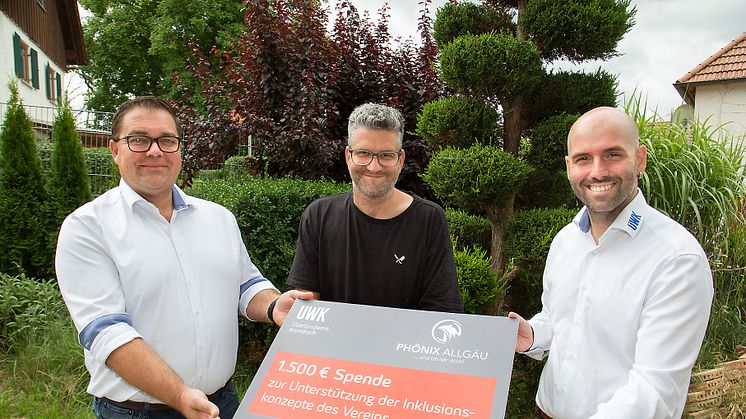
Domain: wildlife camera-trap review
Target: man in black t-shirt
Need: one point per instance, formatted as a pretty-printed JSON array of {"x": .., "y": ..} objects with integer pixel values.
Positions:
[{"x": 376, "y": 245}]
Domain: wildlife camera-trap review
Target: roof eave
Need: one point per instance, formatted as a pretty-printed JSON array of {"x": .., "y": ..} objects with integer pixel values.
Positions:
[{"x": 72, "y": 32}]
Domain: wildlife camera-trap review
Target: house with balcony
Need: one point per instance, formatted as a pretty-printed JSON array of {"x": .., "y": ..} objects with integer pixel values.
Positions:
[{"x": 39, "y": 40}]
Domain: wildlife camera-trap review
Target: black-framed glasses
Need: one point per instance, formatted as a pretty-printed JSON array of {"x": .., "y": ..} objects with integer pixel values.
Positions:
[
  {"x": 139, "y": 143},
  {"x": 363, "y": 157}
]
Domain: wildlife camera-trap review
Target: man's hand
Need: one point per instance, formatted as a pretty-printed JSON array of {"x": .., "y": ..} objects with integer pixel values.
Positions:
[
  {"x": 193, "y": 404},
  {"x": 525, "y": 333},
  {"x": 285, "y": 302}
]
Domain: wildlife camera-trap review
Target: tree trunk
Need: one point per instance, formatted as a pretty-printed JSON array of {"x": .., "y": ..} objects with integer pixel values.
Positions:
[
  {"x": 512, "y": 109},
  {"x": 519, "y": 28},
  {"x": 499, "y": 218}
]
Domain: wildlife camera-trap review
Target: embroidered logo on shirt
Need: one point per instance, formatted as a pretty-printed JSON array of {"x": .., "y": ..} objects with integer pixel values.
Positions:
[
  {"x": 634, "y": 221},
  {"x": 399, "y": 260}
]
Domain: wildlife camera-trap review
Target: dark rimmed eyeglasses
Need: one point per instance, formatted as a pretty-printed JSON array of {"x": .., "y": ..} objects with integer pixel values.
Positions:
[
  {"x": 139, "y": 143},
  {"x": 362, "y": 157}
]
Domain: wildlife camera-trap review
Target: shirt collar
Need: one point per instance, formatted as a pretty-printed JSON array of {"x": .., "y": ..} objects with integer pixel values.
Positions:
[
  {"x": 181, "y": 200},
  {"x": 629, "y": 220}
]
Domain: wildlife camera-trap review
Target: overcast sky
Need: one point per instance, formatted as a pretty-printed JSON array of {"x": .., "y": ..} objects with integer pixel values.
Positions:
[{"x": 669, "y": 38}]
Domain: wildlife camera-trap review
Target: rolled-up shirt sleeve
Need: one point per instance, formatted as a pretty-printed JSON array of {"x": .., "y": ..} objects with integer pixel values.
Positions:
[{"x": 89, "y": 282}]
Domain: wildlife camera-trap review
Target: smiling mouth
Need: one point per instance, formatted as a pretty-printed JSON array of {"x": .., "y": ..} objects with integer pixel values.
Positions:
[{"x": 600, "y": 188}]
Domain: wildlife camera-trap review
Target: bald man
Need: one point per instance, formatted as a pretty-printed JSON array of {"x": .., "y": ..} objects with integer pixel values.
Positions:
[{"x": 626, "y": 290}]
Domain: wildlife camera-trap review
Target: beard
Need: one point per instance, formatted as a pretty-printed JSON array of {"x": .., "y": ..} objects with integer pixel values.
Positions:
[
  {"x": 374, "y": 188},
  {"x": 624, "y": 191}
]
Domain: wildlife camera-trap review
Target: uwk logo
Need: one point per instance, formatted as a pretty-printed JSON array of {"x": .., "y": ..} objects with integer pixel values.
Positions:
[
  {"x": 634, "y": 221},
  {"x": 312, "y": 313}
]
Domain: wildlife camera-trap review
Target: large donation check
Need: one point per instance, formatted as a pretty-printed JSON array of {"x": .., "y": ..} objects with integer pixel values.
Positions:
[{"x": 355, "y": 361}]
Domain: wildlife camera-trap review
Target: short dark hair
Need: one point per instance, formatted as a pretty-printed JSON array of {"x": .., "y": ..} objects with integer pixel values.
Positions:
[{"x": 147, "y": 102}]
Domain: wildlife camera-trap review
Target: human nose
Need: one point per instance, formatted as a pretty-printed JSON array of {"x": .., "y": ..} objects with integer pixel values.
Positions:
[
  {"x": 154, "y": 149},
  {"x": 599, "y": 169},
  {"x": 375, "y": 164}
]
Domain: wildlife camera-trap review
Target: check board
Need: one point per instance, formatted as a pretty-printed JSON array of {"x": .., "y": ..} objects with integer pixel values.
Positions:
[{"x": 355, "y": 361}]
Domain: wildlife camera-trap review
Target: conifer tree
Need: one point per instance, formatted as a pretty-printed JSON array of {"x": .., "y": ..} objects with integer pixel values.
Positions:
[
  {"x": 68, "y": 186},
  {"x": 22, "y": 238},
  {"x": 496, "y": 53}
]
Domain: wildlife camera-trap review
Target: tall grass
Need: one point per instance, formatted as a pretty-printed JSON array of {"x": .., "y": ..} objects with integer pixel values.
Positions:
[
  {"x": 694, "y": 175},
  {"x": 42, "y": 374}
]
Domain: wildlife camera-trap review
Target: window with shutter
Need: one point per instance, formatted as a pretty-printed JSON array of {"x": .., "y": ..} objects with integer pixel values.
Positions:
[
  {"x": 18, "y": 55},
  {"x": 22, "y": 58},
  {"x": 34, "y": 68},
  {"x": 48, "y": 82}
]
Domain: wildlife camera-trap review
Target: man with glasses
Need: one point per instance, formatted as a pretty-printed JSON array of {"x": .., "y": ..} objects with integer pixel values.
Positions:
[
  {"x": 154, "y": 278},
  {"x": 376, "y": 245}
]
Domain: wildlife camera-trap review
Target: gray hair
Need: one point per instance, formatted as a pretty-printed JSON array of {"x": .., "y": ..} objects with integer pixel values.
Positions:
[{"x": 378, "y": 117}]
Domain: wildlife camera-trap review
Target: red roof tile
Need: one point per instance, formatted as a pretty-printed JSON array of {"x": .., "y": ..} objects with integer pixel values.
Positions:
[{"x": 727, "y": 64}]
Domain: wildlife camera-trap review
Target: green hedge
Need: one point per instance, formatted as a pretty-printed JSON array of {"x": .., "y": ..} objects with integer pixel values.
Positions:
[
  {"x": 268, "y": 212},
  {"x": 477, "y": 281},
  {"x": 469, "y": 230}
]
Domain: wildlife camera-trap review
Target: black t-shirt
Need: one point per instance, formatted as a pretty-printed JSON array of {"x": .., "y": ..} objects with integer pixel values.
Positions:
[{"x": 404, "y": 262}]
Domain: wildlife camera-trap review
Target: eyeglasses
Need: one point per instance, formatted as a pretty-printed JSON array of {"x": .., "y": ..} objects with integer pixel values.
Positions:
[
  {"x": 139, "y": 143},
  {"x": 362, "y": 157}
]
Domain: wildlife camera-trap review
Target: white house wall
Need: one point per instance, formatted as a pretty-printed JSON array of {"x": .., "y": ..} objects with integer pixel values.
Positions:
[
  {"x": 724, "y": 104},
  {"x": 30, "y": 95}
]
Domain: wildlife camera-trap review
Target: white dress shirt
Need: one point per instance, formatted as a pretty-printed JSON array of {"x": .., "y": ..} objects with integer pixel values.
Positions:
[
  {"x": 623, "y": 320},
  {"x": 126, "y": 272}
]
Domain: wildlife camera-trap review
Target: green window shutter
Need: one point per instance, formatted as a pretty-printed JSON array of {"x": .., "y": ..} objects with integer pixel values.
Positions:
[
  {"x": 47, "y": 84},
  {"x": 34, "y": 68},
  {"x": 18, "y": 55},
  {"x": 59, "y": 86}
]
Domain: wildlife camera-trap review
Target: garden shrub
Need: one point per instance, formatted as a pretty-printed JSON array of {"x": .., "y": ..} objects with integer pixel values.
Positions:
[
  {"x": 477, "y": 281},
  {"x": 530, "y": 233},
  {"x": 549, "y": 142},
  {"x": 234, "y": 165},
  {"x": 546, "y": 189},
  {"x": 27, "y": 304},
  {"x": 458, "y": 121},
  {"x": 456, "y": 19},
  {"x": 528, "y": 237},
  {"x": 570, "y": 29},
  {"x": 477, "y": 179},
  {"x": 571, "y": 93},
  {"x": 469, "y": 230},
  {"x": 505, "y": 66}
]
